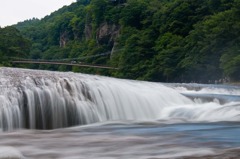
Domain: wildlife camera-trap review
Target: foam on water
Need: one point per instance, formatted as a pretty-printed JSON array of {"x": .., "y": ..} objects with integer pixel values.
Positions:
[
  {"x": 121, "y": 118},
  {"x": 43, "y": 99},
  {"x": 48, "y": 100},
  {"x": 206, "y": 89},
  {"x": 10, "y": 153},
  {"x": 130, "y": 141}
]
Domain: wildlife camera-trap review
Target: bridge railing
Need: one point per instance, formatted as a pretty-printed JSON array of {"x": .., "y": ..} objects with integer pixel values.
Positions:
[{"x": 72, "y": 63}]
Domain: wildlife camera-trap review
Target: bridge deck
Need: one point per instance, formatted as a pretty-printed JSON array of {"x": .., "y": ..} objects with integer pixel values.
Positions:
[{"x": 64, "y": 63}]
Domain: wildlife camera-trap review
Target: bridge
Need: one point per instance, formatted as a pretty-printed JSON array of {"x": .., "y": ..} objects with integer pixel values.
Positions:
[
  {"x": 63, "y": 63},
  {"x": 67, "y": 62}
]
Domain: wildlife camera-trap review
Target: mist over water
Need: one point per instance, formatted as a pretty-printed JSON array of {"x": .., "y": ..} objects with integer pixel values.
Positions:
[{"x": 46, "y": 114}]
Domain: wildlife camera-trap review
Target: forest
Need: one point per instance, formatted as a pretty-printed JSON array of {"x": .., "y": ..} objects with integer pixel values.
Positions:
[{"x": 153, "y": 40}]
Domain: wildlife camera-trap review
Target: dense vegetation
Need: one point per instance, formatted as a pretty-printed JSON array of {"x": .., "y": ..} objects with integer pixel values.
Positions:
[
  {"x": 156, "y": 40},
  {"x": 12, "y": 44}
]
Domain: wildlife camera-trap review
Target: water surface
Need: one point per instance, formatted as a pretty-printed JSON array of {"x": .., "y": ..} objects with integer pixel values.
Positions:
[{"x": 46, "y": 114}]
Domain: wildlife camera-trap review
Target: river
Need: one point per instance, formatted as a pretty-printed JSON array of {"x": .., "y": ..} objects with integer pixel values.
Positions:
[{"x": 46, "y": 114}]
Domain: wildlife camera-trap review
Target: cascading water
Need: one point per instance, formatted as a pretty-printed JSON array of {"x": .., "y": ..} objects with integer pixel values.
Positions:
[
  {"x": 133, "y": 119},
  {"x": 48, "y": 100}
]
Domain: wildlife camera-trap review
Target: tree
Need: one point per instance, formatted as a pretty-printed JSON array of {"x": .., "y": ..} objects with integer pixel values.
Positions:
[{"x": 13, "y": 44}]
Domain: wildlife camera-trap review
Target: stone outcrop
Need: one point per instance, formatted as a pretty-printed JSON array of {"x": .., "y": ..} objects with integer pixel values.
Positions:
[
  {"x": 107, "y": 33},
  {"x": 64, "y": 38},
  {"x": 88, "y": 31}
]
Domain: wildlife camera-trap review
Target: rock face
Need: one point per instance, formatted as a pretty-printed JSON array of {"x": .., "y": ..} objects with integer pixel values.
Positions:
[
  {"x": 64, "y": 38},
  {"x": 88, "y": 31},
  {"x": 107, "y": 33}
]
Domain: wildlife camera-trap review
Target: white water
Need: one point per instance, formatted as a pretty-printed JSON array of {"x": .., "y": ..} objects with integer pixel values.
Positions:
[
  {"x": 132, "y": 119},
  {"x": 206, "y": 89},
  {"x": 48, "y": 100}
]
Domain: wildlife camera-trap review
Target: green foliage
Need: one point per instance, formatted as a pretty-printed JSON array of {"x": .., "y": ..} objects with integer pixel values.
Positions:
[
  {"x": 132, "y": 14},
  {"x": 12, "y": 44},
  {"x": 169, "y": 54},
  {"x": 210, "y": 40},
  {"x": 230, "y": 62},
  {"x": 156, "y": 40}
]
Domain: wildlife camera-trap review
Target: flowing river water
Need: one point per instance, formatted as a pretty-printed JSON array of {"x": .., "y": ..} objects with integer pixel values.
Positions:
[{"x": 45, "y": 115}]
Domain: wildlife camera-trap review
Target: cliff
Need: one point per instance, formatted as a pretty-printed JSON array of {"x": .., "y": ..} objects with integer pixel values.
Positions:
[{"x": 173, "y": 41}]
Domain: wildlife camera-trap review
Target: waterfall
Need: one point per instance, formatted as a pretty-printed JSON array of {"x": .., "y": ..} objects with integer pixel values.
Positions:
[{"x": 47, "y": 100}]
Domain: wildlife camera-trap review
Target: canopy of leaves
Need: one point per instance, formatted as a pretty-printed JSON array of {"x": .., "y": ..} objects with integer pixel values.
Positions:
[
  {"x": 12, "y": 44},
  {"x": 157, "y": 40}
]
